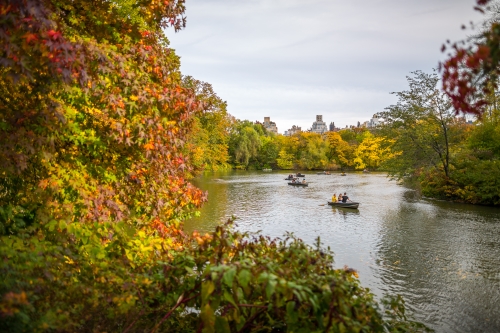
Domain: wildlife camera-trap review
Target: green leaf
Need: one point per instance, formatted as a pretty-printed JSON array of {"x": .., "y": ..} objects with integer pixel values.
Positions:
[
  {"x": 292, "y": 315},
  {"x": 51, "y": 225},
  {"x": 228, "y": 276},
  {"x": 208, "y": 318},
  {"x": 271, "y": 284},
  {"x": 244, "y": 278},
  {"x": 207, "y": 288},
  {"x": 229, "y": 297},
  {"x": 62, "y": 225},
  {"x": 221, "y": 325}
]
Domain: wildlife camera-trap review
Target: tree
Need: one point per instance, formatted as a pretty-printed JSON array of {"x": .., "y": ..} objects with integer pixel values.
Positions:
[
  {"x": 313, "y": 150},
  {"x": 372, "y": 151},
  {"x": 340, "y": 151},
  {"x": 420, "y": 123},
  {"x": 269, "y": 150},
  {"x": 210, "y": 134},
  {"x": 94, "y": 186},
  {"x": 245, "y": 142},
  {"x": 471, "y": 71}
]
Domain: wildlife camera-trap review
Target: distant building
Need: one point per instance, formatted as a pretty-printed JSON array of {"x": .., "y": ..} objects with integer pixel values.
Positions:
[
  {"x": 332, "y": 126},
  {"x": 374, "y": 122},
  {"x": 270, "y": 125},
  {"x": 319, "y": 126},
  {"x": 293, "y": 130}
]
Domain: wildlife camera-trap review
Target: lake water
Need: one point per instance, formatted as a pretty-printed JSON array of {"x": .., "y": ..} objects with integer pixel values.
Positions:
[{"x": 443, "y": 258}]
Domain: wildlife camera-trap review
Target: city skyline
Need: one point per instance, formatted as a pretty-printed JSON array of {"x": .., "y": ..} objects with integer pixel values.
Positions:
[
  {"x": 292, "y": 59},
  {"x": 322, "y": 128}
]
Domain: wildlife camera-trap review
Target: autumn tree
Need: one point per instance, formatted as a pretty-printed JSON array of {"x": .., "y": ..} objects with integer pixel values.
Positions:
[
  {"x": 313, "y": 150},
  {"x": 288, "y": 154},
  {"x": 420, "y": 123},
  {"x": 95, "y": 126},
  {"x": 372, "y": 151},
  {"x": 340, "y": 151},
  {"x": 209, "y": 140},
  {"x": 471, "y": 71}
]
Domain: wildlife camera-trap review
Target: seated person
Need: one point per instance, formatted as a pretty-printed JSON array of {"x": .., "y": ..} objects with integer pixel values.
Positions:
[
  {"x": 345, "y": 198},
  {"x": 334, "y": 198},
  {"x": 340, "y": 197}
]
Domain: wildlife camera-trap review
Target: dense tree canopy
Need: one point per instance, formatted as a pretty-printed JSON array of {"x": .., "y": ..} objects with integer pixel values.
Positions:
[{"x": 99, "y": 136}]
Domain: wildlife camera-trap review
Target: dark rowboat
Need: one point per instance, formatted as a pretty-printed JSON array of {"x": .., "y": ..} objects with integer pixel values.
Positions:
[
  {"x": 298, "y": 184},
  {"x": 353, "y": 205},
  {"x": 300, "y": 175},
  {"x": 323, "y": 173}
]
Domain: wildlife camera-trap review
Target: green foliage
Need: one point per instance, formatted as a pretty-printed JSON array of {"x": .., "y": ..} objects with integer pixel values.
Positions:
[
  {"x": 285, "y": 160},
  {"x": 222, "y": 282},
  {"x": 97, "y": 132},
  {"x": 313, "y": 151},
  {"x": 450, "y": 159},
  {"x": 208, "y": 144},
  {"x": 420, "y": 124},
  {"x": 245, "y": 142},
  {"x": 269, "y": 151}
]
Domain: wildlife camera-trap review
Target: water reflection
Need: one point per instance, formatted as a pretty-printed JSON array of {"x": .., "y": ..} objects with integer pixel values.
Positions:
[
  {"x": 345, "y": 211},
  {"x": 443, "y": 258}
]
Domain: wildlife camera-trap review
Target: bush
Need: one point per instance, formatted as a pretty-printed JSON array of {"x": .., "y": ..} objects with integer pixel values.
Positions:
[{"x": 225, "y": 281}]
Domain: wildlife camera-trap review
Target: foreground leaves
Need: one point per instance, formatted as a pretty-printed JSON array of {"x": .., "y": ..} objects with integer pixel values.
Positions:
[{"x": 219, "y": 282}]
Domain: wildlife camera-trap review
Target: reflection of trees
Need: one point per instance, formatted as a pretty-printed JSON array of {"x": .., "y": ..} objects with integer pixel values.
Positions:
[
  {"x": 214, "y": 211},
  {"x": 432, "y": 257}
]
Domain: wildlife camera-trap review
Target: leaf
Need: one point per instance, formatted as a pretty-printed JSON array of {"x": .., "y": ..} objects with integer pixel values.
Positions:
[
  {"x": 271, "y": 284},
  {"x": 62, "y": 224},
  {"x": 221, "y": 325},
  {"x": 208, "y": 318},
  {"x": 207, "y": 289},
  {"x": 51, "y": 225},
  {"x": 244, "y": 278},
  {"x": 228, "y": 276},
  {"x": 292, "y": 315},
  {"x": 229, "y": 297}
]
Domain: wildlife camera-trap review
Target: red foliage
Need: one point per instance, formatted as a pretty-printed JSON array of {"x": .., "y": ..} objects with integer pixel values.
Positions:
[{"x": 470, "y": 72}]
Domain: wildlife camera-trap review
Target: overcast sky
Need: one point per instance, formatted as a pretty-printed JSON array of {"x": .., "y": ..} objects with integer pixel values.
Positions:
[{"x": 294, "y": 59}]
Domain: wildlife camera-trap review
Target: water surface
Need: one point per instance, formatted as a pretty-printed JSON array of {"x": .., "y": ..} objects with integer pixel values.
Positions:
[{"x": 443, "y": 258}]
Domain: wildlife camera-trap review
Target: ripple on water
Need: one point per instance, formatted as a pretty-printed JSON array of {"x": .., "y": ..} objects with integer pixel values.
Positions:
[{"x": 442, "y": 258}]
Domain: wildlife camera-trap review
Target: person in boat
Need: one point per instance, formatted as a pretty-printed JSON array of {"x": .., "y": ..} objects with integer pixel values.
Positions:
[
  {"x": 345, "y": 198},
  {"x": 303, "y": 181},
  {"x": 340, "y": 197},
  {"x": 334, "y": 198}
]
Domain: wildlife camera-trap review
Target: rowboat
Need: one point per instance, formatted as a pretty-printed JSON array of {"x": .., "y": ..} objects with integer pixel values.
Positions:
[
  {"x": 298, "y": 184},
  {"x": 300, "y": 175},
  {"x": 343, "y": 174},
  {"x": 267, "y": 169},
  {"x": 353, "y": 205},
  {"x": 323, "y": 173}
]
